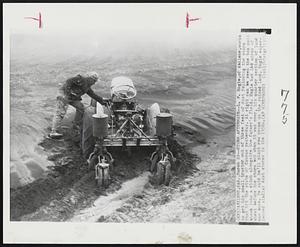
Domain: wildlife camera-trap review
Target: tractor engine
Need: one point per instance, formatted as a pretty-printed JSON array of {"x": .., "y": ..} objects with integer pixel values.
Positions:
[{"x": 124, "y": 109}]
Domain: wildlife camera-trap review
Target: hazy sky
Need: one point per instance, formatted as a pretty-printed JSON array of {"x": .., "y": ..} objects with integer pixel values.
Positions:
[
  {"x": 138, "y": 24},
  {"x": 147, "y": 17},
  {"x": 119, "y": 21}
]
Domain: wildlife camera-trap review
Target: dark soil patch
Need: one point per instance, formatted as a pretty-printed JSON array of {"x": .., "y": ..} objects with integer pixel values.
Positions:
[{"x": 69, "y": 185}]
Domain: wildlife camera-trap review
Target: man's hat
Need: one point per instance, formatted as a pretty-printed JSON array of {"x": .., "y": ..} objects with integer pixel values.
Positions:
[{"x": 94, "y": 75}]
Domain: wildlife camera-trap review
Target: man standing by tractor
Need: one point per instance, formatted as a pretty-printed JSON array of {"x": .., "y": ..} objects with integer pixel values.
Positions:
[{"x": 70, "y": 94}]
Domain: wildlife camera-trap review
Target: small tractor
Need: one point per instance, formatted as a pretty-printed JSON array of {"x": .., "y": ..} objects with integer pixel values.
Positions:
[{"x": 124, "y": 123}]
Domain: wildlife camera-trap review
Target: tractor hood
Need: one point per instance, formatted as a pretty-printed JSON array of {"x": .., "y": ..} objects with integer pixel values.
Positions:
[{"x": 121, "y": 84}]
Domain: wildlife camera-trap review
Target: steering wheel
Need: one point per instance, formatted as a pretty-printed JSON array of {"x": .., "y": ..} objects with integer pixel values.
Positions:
[{"x": 125, "y": 94}]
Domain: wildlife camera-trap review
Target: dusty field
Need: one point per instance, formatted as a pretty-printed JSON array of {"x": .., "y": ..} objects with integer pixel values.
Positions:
[
  {"x": 50, "y": 180},
  {"x": 201, "y": 191},
  {"x": 69, "y": 186}
]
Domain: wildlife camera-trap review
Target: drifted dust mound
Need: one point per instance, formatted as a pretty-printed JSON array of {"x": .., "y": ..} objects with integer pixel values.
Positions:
[{"x": 69, "y": 185}]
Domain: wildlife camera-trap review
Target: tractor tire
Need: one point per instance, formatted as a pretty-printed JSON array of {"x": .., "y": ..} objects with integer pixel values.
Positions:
[
  {"x": 160, "y": 174},
  {"x": 152, "y": 112},
  {"x": 99, "y": 180},
  {"x": 105, "y": 181},
  {"x": 109, "y": 161},
  {"x": 167, "y": 174},
  {"x": 87, "y": 138}
]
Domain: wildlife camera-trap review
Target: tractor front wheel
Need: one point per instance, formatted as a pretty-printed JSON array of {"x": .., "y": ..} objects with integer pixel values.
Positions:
[
  {"x": 160, "y": 173},
  {"x": 167, "y": 173},
  {"x": 103, "y": 177},
  {"x": 163, "y": 172}
]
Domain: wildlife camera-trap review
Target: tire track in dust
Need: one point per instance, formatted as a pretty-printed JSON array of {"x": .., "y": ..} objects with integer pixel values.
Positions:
[
  {"x": 213, "y": 117},
  {"x": 104, "y": 206}
]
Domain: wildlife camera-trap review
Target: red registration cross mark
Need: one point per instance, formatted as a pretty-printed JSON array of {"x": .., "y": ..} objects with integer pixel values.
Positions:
[
  {"x": 39, "y": 19},
  {"x": 188, "y": 20}
]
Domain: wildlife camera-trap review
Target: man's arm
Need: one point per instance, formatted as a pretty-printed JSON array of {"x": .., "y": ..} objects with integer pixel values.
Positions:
[{"x": 94, "y": 96}]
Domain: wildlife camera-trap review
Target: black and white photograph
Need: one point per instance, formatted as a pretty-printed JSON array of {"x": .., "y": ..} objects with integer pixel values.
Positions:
[{"x": 139, "y": 113}]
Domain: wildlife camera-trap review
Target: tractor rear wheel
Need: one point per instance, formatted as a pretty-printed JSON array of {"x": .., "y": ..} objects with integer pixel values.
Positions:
[
  {"x": 152, "y": 112},
  {"x": 87, "y": 138}
]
